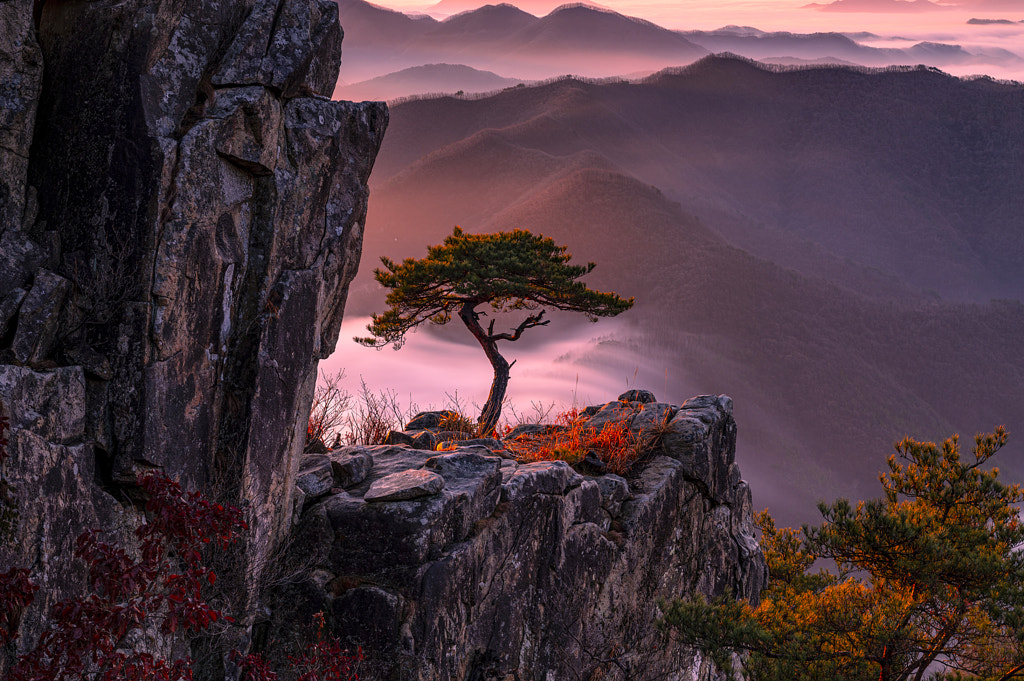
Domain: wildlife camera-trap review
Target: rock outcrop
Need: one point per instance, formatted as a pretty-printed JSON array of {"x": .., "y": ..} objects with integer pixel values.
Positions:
[
  {"x": 524, "y": 571},
  {"x": 181, "y": 213}
]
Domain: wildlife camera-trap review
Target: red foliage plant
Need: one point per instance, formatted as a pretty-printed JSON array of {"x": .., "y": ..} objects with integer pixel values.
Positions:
[
  {"x": 160, "y": 585},
  {"x": 323, "y": 660},
  {"x": 572, "y": 439},
  {"x": 88, "y": 637}
]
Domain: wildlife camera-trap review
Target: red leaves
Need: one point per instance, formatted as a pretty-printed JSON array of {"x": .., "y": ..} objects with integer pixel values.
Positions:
[
  {"x": 321, "y": 661},
  {"x": 326, "y": 661},
  {"x": 255, "y": 667},
  {"x": 16, "y": 593},
  {"x": 162, "y": 582}
]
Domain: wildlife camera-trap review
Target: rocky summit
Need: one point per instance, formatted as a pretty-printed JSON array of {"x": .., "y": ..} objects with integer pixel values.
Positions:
[{"x": 466, "y": 564}]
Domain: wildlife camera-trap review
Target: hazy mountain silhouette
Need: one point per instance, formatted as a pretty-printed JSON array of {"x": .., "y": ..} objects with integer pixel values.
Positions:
[
  {"x": 581, "y": 39},
  {"x": 367, "y": 24},
  {"x": 931, "y": 197},
  {"x": 777, "y": 230},
  {"x": 593, "y": 42},
  {"x": 535, "y": 7},
  {"x": 490, "y": 22},
  {"x": 797, "y": 61},
  {"x": 785, "y": 47},
  {"x": 763, "y": 45},
  {"x": 430, "y": 78},
  {"x": 583, "y": 27}
]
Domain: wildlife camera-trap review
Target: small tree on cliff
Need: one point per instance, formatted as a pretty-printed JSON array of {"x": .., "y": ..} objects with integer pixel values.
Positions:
[
  {"x": 509, "y": 271},
  {"x": 929, "y": 577}
]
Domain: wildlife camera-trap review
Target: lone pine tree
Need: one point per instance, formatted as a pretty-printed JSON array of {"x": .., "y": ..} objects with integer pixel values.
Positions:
[{"x": 509, "y": 271}]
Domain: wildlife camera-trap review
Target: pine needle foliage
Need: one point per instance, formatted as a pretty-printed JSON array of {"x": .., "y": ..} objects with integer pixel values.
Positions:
[
  {"x": 508, "y": 271},
  {"x": 929, "y": 582}
]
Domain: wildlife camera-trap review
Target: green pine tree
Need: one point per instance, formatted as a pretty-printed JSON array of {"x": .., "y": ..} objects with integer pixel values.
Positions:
[
  {"x": 929, "y": 580},
  {"x": 509, "y": 271}
]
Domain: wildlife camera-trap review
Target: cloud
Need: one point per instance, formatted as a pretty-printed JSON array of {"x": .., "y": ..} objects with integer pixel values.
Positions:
[{"x": 886, "y": 6}]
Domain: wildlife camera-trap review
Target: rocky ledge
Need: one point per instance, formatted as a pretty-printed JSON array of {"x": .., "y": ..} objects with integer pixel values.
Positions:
[{"x": 464, "y": 564}]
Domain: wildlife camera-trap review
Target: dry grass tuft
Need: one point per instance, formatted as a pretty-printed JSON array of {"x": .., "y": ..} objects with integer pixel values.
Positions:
[{"x": 457, "y": 422}]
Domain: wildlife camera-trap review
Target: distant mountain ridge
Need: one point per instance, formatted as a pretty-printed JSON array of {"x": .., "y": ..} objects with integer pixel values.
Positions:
[
  {"x": 591, "y": 41},
  {"x": 728, "y": 132},
  {"x": 575, "y": 38},
  {"x": 429, "y": 78}
]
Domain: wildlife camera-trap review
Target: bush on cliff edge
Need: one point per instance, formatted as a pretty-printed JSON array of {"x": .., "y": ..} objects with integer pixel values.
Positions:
[{"x": 929, "y": 577}]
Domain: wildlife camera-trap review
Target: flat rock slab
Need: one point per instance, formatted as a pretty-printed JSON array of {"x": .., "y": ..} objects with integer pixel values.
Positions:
[
  {"x": 387, "y": 459},
  {"x": 409, "y": 484},
  {"x": 539, "y": 477}
]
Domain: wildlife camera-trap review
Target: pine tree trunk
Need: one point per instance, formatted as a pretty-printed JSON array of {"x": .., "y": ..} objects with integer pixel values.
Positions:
[{"x": 492, "y": 408}]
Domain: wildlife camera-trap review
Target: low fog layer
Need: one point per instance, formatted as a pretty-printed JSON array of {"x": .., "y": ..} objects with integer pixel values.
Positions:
[
  {"x": 580, "y": 365},
  {"x": 576, "y": 365}
]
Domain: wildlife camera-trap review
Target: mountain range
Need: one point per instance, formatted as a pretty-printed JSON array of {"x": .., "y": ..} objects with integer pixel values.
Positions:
[
  {"x": 591, "y": 41},
  {"x": 821, "y": 244},
  {"x": 572, "y": 39}
]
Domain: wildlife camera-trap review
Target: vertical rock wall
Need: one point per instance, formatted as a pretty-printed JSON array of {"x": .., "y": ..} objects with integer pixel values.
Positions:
[{"x": 181, "y": 213}]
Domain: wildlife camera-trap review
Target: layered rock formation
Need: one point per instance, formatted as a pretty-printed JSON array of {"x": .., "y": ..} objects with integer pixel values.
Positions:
[
  {"x": 465, "y": 564},
  {"x": 181, "y": 212}
]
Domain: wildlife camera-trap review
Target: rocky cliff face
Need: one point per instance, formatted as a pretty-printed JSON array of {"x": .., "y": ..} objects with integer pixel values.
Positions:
[
  {"x": 466, "y": 565},
  {"x": 181, "y": 212}
]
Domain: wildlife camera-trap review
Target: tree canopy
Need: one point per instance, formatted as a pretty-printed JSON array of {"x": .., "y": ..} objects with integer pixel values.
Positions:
[
  {"x": 928, "y": 579},
  {"x": 509, "y": 271}
]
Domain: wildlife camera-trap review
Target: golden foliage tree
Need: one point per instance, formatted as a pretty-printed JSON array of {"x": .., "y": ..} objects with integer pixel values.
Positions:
[{"x": 929, "y": 580}]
